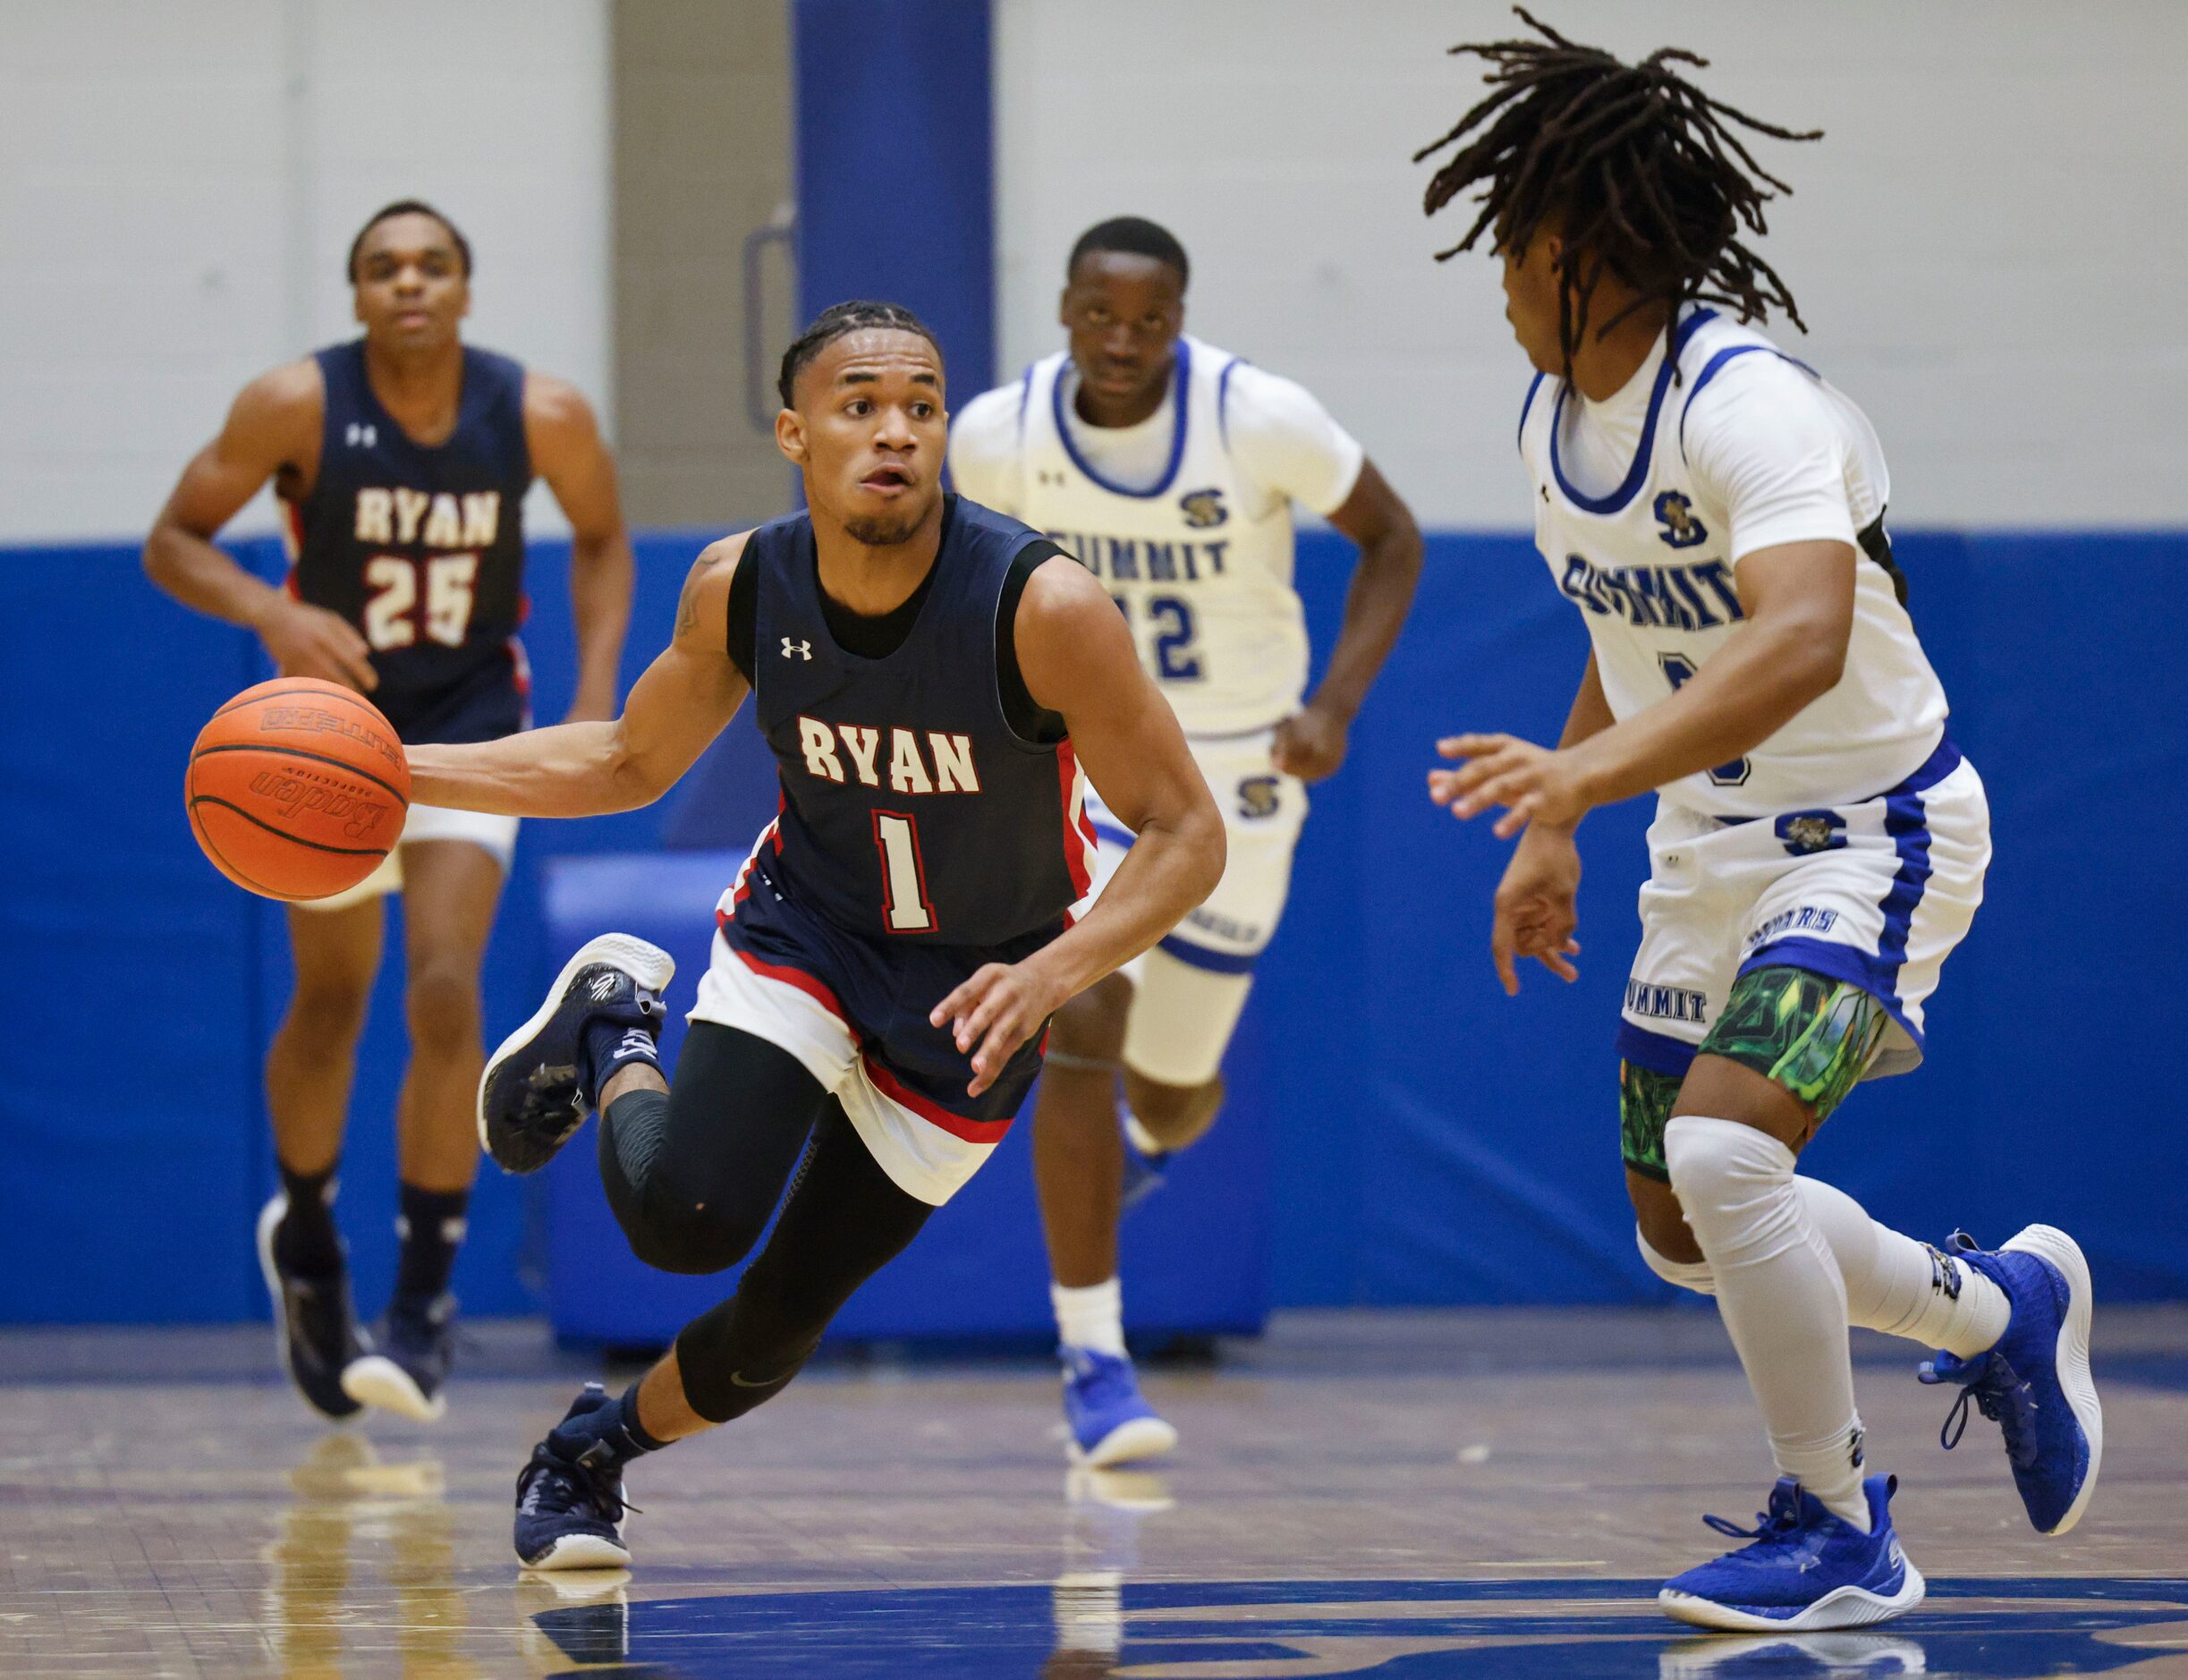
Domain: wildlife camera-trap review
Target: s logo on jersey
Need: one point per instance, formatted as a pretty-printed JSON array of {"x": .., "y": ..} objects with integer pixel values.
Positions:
[
  {"x": 1203, "y": 509},
  {"x": 1257, "y": 798},
  {"x": 1681, "y": 529}
]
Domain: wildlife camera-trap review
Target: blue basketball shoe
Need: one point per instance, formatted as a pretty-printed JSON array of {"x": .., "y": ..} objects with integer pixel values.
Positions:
[
  {"x": 1110, "y": 1420},
  {"x": 2035, "y": 1384},
  {"x": 570, "y": 1510},
  {"x": 538, "y": 1084},
  {"x": 1804, "y": 1570},
  {"x": 1145, "y": 1161}
]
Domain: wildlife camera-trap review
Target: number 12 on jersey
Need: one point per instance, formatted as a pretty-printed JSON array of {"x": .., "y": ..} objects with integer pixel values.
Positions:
[{"x": 903, "y": 876}]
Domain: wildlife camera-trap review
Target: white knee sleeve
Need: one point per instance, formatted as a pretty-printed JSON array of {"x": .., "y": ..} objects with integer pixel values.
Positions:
[
  {"x": 1695, "y": 1277},
  {"x": 1735, "y": 1183},
  {"x": 1781, "y": 1295}
]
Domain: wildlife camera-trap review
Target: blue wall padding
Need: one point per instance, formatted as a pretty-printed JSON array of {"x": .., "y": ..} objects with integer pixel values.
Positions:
[
  {"x": 1437, "y": 1142},
  {"x": 134, "y": 1151},
  {"x": 895, "y": 166},
  {"x": 1198, "y": 1253},
  {"x": 1429, "y": 1140}
]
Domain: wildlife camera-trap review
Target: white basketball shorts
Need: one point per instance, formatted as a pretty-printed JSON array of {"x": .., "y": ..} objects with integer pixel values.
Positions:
[
  {"x": 1876, "y": 894},
  {"x": 1189, "y": 991},
  {"x": 497, "y": 835}
]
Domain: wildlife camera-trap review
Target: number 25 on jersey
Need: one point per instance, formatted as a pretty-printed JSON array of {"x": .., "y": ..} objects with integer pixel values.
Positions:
[{"x": 434, "y": 594}]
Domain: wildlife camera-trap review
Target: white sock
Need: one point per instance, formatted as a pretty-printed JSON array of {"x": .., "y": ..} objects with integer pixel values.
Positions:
[
  {"x": 1894, "y": 1283},
  {"x": 1092, "y": 1318},
  {"x": 1782, "y": 1297},
  {"x": 1903, "y": 1288}
]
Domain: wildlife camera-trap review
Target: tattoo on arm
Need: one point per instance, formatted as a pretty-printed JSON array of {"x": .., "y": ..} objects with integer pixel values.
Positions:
[{"x": 687, "y": 604}]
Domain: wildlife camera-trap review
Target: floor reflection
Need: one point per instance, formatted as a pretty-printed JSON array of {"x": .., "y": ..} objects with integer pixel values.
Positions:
[
  {"x": 365, "y": 1545},
  {"x": 1096, "y": 1623},
  {"x": 1104, "y": 1509}
]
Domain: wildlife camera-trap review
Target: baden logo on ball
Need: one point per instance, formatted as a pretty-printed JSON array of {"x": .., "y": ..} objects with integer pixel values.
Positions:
[{"x": 297, "y": 789}]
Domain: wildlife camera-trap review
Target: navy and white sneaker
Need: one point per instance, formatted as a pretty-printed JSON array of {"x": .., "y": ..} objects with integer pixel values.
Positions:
[
  {"x": 314, "y": 1325},
  {"x": 1109, "y": 1419},
  {"x": 2035, "y": 1384},
  {"x": 412, "y": 1350},
  {"x": 1805, "y": 1569},
  {"x": 537, "y": 1087},
  {"x": 570, "y": 1511}
]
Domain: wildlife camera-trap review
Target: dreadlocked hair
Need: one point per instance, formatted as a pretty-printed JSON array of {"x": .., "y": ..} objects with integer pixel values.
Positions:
[
  {"x": 1642, "y": 172},
  {"x": 831, "y": 324}
]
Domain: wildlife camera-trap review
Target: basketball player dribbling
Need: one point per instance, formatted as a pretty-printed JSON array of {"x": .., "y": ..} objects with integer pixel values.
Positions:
[
  {"x": 931, "y": 677},
  {"x": 1715, "y": 511},
  {"x": 1169, "y": 468},
  {"x": 401, "y": 459}
]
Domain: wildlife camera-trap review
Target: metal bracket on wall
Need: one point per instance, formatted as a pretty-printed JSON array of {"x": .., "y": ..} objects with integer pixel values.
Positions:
[{"x": 779, "y": 229}]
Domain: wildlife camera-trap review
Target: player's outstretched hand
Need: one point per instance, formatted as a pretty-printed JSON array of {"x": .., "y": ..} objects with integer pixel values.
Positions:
[
  {"x": 1308, "y": 744},
  {"x": 307, "y": 640},
  {"x": 998, "y": 1009},
  {"x": 1533, "y": 783},
  {"x": 1535, "y": 913}
]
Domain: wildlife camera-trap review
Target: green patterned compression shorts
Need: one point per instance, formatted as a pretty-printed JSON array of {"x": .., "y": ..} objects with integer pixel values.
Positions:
[{"x": 1811, "y": 1034}]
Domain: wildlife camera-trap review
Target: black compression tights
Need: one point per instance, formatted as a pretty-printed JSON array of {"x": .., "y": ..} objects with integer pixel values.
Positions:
[{"x": 692, "y": 1176}]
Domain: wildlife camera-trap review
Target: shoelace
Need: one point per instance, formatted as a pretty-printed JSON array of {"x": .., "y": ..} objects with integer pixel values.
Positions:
[
  {"x": 1991, "y": 1383},
  {"x": 564, "y": 1484},
  {"x": 1996, "y": 1390},
  {"x": 1779, "y": 1523}
]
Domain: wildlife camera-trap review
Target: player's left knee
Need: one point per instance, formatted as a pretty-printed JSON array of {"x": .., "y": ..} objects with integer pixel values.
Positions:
[
  {"x": 1175, "y": 1116},
  {"x": 442, "y": 1007},
  {"x": 1735, "y": 1182}
]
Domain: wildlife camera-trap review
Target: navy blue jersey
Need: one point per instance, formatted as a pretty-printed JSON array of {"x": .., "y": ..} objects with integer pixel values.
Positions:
[
  {"x": 423, "y": 548},
  {"x": 912, "y": 810}
]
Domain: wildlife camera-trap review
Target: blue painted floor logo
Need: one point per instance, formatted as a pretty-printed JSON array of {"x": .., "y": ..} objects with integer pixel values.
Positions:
[{"x": 1093, "y": 1626}]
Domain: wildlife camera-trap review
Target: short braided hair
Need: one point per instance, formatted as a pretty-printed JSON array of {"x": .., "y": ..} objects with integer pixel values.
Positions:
[
  {"x": 831, "y": 324},
  {"x": 1640, "y": 168}
]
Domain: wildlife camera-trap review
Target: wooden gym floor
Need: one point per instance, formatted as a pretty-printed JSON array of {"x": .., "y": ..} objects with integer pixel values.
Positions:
[{"x": 1413, "y": 1496}]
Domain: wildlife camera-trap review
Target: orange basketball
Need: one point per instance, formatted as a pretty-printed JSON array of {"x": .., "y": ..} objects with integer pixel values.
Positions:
[{"x": 297, "y": 788}]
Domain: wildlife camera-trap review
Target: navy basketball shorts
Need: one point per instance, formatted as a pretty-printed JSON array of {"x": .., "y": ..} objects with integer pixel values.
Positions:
[
  {"x": 1876, "y": 894},
  {"x": 854, "y": 1012}
]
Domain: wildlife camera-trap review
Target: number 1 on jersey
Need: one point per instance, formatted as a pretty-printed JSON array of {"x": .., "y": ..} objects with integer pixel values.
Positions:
[{"x": 903, "y": 879}]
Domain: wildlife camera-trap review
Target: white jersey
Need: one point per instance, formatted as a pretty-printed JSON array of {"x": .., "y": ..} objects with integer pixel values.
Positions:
[
  {"x": 1198, "y": 552},
  {"x": 1746, "y": 449}
]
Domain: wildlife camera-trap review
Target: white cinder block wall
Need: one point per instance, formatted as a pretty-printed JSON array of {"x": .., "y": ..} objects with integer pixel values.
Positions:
[
  {"x": 181, "y": 183},
  {"x": 1990, "y": 245}
]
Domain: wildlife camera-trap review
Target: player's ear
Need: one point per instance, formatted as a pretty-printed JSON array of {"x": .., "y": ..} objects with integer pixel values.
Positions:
[
  {"x": 1064, "y": 305},
  {"x": 790, "y": 435},
  {"x": 357, "y": 302}
]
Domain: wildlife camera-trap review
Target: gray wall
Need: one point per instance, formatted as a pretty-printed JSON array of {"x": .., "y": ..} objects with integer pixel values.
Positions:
[
  {"x": 701, "y": 131},
  {"x": 180, "y": 185},
  {"x": 1991, "y": 244}
]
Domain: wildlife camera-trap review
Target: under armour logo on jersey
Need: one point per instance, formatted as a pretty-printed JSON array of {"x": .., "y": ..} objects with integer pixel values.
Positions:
[
  {"x": 1675, "y": 513},
  {"x": 804, "y": 649},
  {"x": 361, "y": 435}
]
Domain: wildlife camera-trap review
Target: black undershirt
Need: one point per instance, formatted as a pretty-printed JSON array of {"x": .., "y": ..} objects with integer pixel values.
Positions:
[{"x": 878, "y": 637}]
